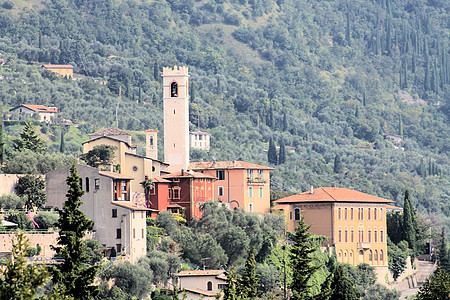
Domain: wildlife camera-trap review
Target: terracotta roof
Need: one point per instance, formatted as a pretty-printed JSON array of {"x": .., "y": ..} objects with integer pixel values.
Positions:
[
  {"x": 332, "y": 194},
  {"x": 130, "y": 205},
  {"x": 108, "y": 137},
  {"x": 38, "y": 108},
  {"x": 110, "y": 131},
  {"x": 200, "y": 273},
  {"x": 201, "y": 292},
  {"x": 114, "y": 175},
  {"x": 187, "y": 174},
  {"x": 235, "y": 164},
  {"x": 50, "y": 66},
  {"x": 151, "y": 130},
  {"x": 160, "y": 179}
]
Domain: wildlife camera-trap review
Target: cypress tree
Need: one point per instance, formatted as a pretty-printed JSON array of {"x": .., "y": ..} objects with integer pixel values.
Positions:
[
  {"x": 62, "y": 146},
  {"x": 73, "y": 278},
  {"x": 230, "y": 291},
  {"x": 400, "y": 125},
  {"x": 347, "y": 29},
  {"x": 337, "y": 164},
  {"x": 282, "y": 152},
  {"x": 443, "y": 255},
  {"x": 285, "y": 122},
  {"x": 156, "y": 71},
  {"x": 249, "y": 281},
  {"x": 409, "y": 231},
  {"x": 272, "y": 153},
  {"x": 301, "y": 262},
  {"x": 342, "y": 287}
]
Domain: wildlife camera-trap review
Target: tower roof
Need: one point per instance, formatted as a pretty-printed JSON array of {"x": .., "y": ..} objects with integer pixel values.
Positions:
[{"x": 332, "y": 194}]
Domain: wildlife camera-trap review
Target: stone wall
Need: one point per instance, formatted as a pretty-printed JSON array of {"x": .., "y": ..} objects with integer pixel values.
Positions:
[{"x": 43, "y": 239}]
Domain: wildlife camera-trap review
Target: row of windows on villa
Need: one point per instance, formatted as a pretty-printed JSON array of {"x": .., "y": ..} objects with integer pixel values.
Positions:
[
  {"x": 347, "y": 214},
  {"x": 251, "y": 174},
  {"x": 250, "y": 192},
  {"x": 87, "y": 185},
  {"x": 119, "y": 233},
  {"x": 371, "y": 236},
  {"x": 374, "y": 256}
]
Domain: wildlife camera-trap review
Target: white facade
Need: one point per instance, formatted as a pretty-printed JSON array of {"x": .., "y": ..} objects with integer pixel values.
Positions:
[{"x": 200, "y": 140}]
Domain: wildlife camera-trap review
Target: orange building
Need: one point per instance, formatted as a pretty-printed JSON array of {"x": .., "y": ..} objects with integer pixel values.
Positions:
[
  {"x": 63, "y": 70},
  {"x": 355, "y": 222},
  {"x": 239, "y": 183},
  {"x": 181, "y": 190}
]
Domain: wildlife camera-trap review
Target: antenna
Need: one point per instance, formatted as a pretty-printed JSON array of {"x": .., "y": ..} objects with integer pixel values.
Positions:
[{"x": 117, "y": 107}]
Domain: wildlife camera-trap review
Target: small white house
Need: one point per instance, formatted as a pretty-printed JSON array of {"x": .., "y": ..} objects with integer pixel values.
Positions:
[{"x": 202, "y": 284}]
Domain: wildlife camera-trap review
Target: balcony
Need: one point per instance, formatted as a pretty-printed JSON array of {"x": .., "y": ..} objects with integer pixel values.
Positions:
[
  {"x": 255, "y": 181},
  {"x": 363, "y": 245}
]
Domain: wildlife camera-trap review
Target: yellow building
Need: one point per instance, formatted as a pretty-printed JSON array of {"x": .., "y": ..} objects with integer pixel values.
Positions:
[
  {"x": 63, "y": 70},
  {"x": 354, "y": 222},
  {"x": 136, "y": 166},
  {"x": 176, "y": 117}
]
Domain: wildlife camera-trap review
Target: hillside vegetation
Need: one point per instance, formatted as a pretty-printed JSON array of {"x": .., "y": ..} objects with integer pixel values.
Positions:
[{"x": 328, "y": 78}]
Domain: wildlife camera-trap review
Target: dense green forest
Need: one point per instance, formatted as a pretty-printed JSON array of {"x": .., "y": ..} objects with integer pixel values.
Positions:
[{"x": 328, "y": 78}]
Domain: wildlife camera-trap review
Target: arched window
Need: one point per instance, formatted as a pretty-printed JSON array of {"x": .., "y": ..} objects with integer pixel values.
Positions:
[
  {"x": 376, "y": 255},
  {"x": 345, "y": 213},
  {"x": 370, "y": 255},
  {"x": 381, "y": 214},
  {"x": 375, "y": 214},
  {"x": 209, "y": 287},
  {"x": 346, "y": 236},
  {"x": 87, "y": 185},
  {"x": 174, "y": 89},
  {"x": 382, "y": 236},
  {"x": 351, "y": 212},
  {"x": 368, "y": 214},
  {"x": 352, "y": 236},
  {"x": 369, "y": 235},
  {"x": 297, "y": 214},
  {"x": 339, "y": 213},
  {"x": 340, "y": 236},
  {"x": 381, "y": 256}
]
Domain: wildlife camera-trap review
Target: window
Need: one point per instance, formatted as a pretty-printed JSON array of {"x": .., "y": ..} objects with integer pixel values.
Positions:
[
  {"x": 297, "y": 214},
  {"x": 250, "y": 174},
  {"x": 375, "y": 214},
  {"x": 345, "y": 213},
  {"x": 370, "y": 236},
  {"x": 170, "y": 194},
  {"x": 118, "y": 233},
  {"x": 340, "y": 236},
  {"x": 221, "y": 286},
  {"x": 220, "y": 174},
  {"x": 260, "y": 192},
  {"x": 381, "y": 256},
  {"x": 151, "y": 141},
  {"x": 134, "y": 233},
  {"x": 376, "y": 255},
  {"x": 290, "y": 215},
  {"x": 199, "y": 137},
  {"x": 87, "y": 184},
  {"x": 96, "y": 183},
  {"x": 174, "y": 89},
  {"x": 368, "y": 214},
  {"x": 250, "y": 192},
  {"x": 339, "y": 213},
  {"x": 81, "y": 183},
  {"x": 352, "y": 236},
  {"x": 114, "y": 212},
  {"x": 375, "y": 236},
  {"x": 209, "y": 286},
  {"x": 176, "y": 192},
  {"x": 176, "y": 180},
  {"x": 133, "y": 213},
  {"x": 119, "y": 248},
  {"x": 381, "y": 215},
  {"x": 142, "y": 233},
  {"x": 134, "y": 169},
  {"x": 220, "y": 190},
  {"x": 261, "y": 174},
  {"x": 370, "y": 255},
  {"x": 351, "y": 213},
  {"x": 382, "y": 236},
  {"x": 346, "y": 236},
  {"x": 250, "y": 207}
]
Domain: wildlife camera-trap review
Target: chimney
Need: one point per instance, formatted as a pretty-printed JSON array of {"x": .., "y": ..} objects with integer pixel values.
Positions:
[
  {"x": 182, "y": 172},
  {"x": 151, "y": 144},
  {"x": 312, "y": 190}
]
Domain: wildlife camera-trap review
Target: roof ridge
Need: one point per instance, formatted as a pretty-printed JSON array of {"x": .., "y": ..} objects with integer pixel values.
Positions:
[{"x": 328, "y": 193}]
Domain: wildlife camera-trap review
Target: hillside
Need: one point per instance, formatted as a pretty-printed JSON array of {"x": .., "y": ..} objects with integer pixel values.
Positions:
[{"x": 330, "y": 78}]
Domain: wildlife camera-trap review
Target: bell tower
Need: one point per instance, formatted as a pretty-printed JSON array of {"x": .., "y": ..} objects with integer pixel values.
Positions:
[{"x": 176, "y": 117}]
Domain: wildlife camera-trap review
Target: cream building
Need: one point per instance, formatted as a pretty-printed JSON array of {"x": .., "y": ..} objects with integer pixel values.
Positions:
[
  {"x": 176, "y": 117},
  {"x": 202, "y": 284},
  {"x": 200, "y": 140},
  {"x": 46, "y": 114},
  {"x": 137, "y": 167},
  {"x": 119, "y": 222}
]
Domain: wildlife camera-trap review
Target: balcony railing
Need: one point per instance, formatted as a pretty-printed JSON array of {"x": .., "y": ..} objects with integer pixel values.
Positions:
[
  {"x": 255, "y": 181},
  {"x": 363, "y": 245}
]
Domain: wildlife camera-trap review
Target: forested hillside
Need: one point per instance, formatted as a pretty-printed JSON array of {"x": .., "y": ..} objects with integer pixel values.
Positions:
[{"x": 328, "y": 78}]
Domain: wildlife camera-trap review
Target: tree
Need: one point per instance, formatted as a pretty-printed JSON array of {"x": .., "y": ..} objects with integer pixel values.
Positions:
[
  {"x": 443, "y": 255},
  {"x": 32, "y": 189},
  {"x": 29, "y": 139},
  {"x": 230, "y": 291},
  {"x": 396, "y": 258},
  {"x": 342, "y": 287},
  {"x": 337, "y": 164},
  {"x": 2, "y": 140},
  {"x": 72, "y": 277},
  {"x": 62, "y": 146},
  {"x": 99, "y": 155},
  {"x": 19, "y": 280},
  {"x": 409, "y": 231},
  {"x": 301, "y": 262},
  {"x": 248, "y": 285},
  {"x": 272, "y": 153},
  {"x": 282, "y": 152},
  {"x": 436, "y": 287}
]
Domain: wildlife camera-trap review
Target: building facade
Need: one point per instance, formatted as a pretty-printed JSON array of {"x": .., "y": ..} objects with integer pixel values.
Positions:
[
  {"x": 63, "y": 70},
  {"x": 200, "y": 140},
  {"x": 354, "y": 222},
  {"x": 182, "y": 190},
  {"x": 176, "y": 118},
  {"x": 46, "y": 114},
  {"x": 202, "y": 284},
  {"x": 119, "y": 222},
  {"x": 239, "y": 184}
]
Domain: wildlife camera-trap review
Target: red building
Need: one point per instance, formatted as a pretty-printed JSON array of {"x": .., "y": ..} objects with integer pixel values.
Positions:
[{"x": 181, "y": 190}]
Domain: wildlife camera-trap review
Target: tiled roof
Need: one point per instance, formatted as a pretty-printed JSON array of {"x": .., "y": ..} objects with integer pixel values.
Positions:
[
  {"x": 201, "y": 292},
  {"x": 160, "y": 179},
  {"x": 187, "y": 174},
  {"x": 50, "y": 66},
  {"x": 114, "y": 175},
  {"x": 332, "y": 194},
  {"x": 39, "y": 108},
  {"x": 151, "y": 130},
  {"x": 235, "y": 164},
  {"x": 110, "y": 131},
  {"x": 108, "y": 137},
  {"x": 200, "y": 273},
  {"x": 130, "y": 205}
]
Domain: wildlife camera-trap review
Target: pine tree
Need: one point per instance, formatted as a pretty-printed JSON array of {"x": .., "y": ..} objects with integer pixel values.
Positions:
[
  {"x": 248, "y": 285},
  {"x": 175, "y": 293},
  {"x": 18, "y": 280},
  {"x": 156, "y": 71},
  {"x": 342, "y": 287},
  {"x": 230, "y": 291},
  {"x": 443, "y": 255},
  {"x": 282, "y": 152},
  {"x": 29, "y": 139},
  {"x": 337, "y": 164},
  {"x": 285, "y": 122},
  {"x": 272, "y": 153},
  {"x": 72, "y": 277},
  {"x": 436, "y": 287},
  {"x": 62, "y": 146},
  {"x": 409, "y": 233},
  {"x": 301, "y": 262}
]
